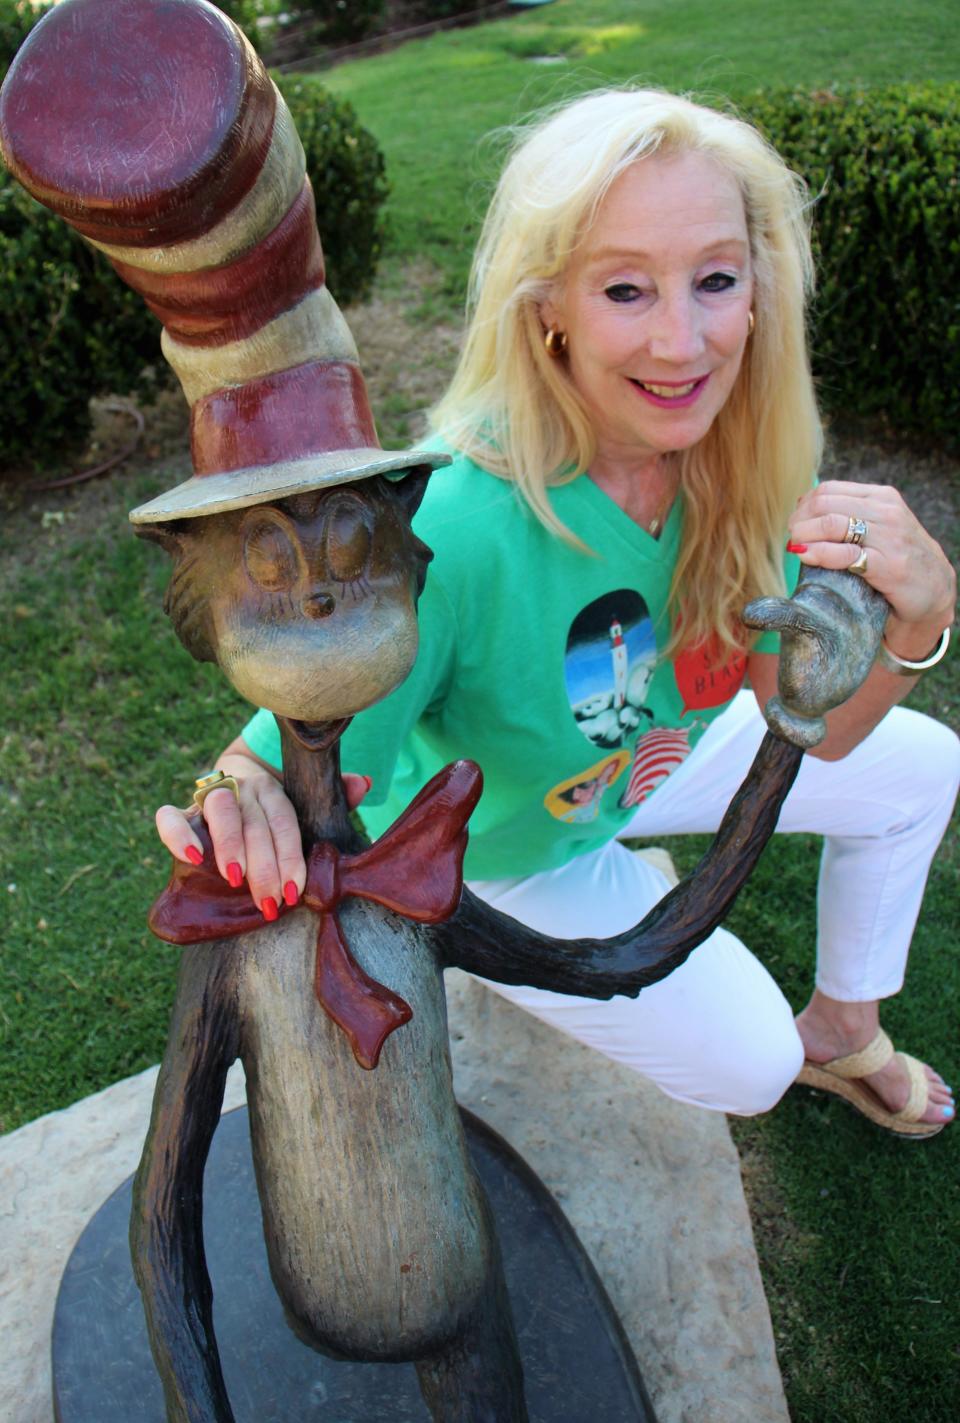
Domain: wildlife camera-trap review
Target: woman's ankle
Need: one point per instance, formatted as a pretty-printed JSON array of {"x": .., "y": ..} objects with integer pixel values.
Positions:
[{"x": 835, "y": 1023}]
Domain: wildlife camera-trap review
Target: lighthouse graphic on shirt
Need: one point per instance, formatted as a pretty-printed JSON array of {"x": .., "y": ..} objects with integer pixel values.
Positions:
[
  {"x": 609, "y": 661},
  {"x": 618, "y": 655}
]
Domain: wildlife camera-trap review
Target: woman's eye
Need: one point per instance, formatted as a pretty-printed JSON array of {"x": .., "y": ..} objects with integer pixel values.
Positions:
[
  {"x": 718, "y": 282},
  {"x": 622, "y": 291}
]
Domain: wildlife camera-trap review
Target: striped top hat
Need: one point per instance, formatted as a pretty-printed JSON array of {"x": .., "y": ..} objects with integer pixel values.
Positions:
[{"x": 152, "y": 127}]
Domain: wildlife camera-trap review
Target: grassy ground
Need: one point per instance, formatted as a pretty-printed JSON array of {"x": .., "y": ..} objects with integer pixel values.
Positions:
[
  {"x": 433, "y": 104},
  {"x": 104, "y": 716}
]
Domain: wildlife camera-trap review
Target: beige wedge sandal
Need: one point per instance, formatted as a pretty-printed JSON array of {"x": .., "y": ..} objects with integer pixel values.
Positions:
[{"x": 843, "y": 1076}]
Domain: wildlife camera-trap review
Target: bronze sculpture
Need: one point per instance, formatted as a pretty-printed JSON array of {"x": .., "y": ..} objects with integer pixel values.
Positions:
[{"x": 296, "y": 570}]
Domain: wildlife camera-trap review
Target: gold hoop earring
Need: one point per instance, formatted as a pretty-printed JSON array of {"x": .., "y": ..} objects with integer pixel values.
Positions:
[
  {"x": 555, "y": 342},
  {"x": 750, "y": 322}
]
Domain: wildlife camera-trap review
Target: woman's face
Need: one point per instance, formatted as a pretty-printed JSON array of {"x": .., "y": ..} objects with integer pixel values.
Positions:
[{"x": 656, "y": 304}]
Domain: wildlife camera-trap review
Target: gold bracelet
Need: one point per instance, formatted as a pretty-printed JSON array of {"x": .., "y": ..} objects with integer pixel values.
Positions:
[{"x": 903, "y": 668}]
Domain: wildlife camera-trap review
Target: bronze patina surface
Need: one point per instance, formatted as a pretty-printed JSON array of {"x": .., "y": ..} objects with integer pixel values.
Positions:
[{"x": 152, "y": 127}]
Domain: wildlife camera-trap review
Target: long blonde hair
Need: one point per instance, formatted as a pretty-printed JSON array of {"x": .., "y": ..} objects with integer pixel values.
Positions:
[{"x": 515, "y": 411}]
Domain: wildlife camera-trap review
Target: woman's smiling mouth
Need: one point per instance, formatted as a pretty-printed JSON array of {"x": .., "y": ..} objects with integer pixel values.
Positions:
[{"x": 670, "y": 394}]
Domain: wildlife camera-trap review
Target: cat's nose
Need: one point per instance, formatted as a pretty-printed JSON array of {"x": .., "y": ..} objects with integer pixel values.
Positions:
[{"x": 318, "y": 605}]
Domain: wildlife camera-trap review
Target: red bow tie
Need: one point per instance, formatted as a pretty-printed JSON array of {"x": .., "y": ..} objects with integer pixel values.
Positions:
[{"x": 415, "y": 869}]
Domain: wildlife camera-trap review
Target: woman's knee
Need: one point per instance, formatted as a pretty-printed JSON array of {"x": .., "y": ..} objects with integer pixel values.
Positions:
[
  {"x": 758, "y": 1074},
  {"x": 929, "y": 753},
  {"x": 718, "y": 1032},
  {"x": 944, "y": 758}
]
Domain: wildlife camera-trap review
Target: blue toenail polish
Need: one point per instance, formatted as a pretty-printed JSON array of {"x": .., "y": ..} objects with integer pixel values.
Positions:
[{"x": 948, "y": 1111}]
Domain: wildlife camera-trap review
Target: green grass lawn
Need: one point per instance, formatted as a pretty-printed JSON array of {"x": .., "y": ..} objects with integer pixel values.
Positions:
[
  {"x": 104, "y": 716},
  {"x": 432, "y": 104}
]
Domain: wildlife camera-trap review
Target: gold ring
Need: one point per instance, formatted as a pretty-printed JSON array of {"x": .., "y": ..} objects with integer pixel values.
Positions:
[
  {"x": 214, "y": 781},
  {"x": 857, "y": 530},
  {"x": 859, "y": 564}
]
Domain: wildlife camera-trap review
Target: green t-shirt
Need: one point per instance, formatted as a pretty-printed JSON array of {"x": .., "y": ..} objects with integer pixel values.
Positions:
[{"x": 539, "y": 662}]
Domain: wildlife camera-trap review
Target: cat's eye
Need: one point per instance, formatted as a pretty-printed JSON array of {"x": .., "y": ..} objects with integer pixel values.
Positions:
[
  {"x": 270, "y": 556},
  {"x": 347, "y": 539}
]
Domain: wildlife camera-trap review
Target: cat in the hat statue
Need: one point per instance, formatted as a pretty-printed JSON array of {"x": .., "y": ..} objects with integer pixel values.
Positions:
[{"x": 152, "y": 128}]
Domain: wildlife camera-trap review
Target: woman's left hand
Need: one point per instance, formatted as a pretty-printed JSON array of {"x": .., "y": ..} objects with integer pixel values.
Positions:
[{"x": 903, "y": 562}]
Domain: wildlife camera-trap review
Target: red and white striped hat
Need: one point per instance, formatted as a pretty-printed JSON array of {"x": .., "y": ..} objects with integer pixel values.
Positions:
[{"x": 152, "y": 127}]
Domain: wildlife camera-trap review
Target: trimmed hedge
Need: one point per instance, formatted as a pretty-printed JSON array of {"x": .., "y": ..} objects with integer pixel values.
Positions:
[
  {"x": 244, "y": 13},
  {"x": 441, "y": 9},
  {"x": 886, "y": 321},
  {"x": 17, "y": 19},
  {"x": 345, "y": 21},
  {"x": 349, "y": 178},
  {"x": 70, "y": 329}
]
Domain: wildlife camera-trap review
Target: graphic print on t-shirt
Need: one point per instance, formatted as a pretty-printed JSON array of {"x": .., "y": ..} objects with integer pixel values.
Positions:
[
  {"x": 704, "y": 679},
  {"x": 577, "y": 799},
  {"x": 657, "y": 754},
  {"x": 609, "y": 661}
]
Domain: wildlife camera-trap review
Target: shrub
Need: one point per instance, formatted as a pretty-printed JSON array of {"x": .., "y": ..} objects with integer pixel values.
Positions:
[
  {"x": 886, "y": 321},
  {"x": 349, "y": 180},
  {"x": 344, "y": 21},
  {"x": 243, "y": 13},
  {"x": 70, "y": 329},
  {"x": 441, "y": 9},
  {"x": 17, "y": 19},
  {"x": 246, "y": 13}
]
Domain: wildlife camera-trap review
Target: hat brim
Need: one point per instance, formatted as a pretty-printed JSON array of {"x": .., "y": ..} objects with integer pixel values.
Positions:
[{"x": 240, "y": 488}]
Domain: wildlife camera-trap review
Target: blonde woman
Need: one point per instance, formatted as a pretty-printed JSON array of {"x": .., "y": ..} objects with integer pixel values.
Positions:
[{"x": 635, "y": 440}]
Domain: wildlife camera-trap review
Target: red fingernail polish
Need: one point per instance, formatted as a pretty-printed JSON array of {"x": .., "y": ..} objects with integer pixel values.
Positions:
[
  {"x": 796, "y": 548},
  {"x": 369, "y": 781},
  {"x": 269, "y": 909},
  {"x": 291, "y": 895},
  {"x": 234, "y": 874},
  {"x": 194, "y": 855}
]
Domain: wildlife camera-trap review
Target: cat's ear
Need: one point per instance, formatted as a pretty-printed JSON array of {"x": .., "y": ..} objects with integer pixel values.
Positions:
[
  {"x": 169, "y": 536},
  {"x": 187, "y": 599},
  {"x": 409, "y": 490}
]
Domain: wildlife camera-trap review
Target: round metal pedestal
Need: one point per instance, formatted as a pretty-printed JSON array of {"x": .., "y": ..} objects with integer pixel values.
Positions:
[{"x": 578, "y": 1366}]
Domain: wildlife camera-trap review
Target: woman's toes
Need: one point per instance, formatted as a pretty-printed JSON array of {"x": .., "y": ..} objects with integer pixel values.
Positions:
[
  {"x": 892, "y": 1087},
  {"x": 939, "y": 1091},
  {"x": 940, "y": 1106}
]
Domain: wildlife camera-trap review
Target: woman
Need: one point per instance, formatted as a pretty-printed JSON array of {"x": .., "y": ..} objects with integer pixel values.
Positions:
[{"x": 636, "y": 435}]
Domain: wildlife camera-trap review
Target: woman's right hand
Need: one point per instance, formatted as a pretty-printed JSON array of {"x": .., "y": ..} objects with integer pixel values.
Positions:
[{"x": 257, "y": 839}]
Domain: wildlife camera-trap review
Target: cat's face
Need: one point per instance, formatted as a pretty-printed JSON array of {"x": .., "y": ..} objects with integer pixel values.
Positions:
[{"x": 308, "y": 605}]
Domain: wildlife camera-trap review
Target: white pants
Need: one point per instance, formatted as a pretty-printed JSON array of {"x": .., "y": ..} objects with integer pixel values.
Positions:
[{"x": 718, "y": 1032}]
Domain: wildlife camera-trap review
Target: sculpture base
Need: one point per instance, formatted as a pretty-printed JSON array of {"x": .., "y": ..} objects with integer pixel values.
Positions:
[{"x": 578, "y": 1365}]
